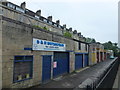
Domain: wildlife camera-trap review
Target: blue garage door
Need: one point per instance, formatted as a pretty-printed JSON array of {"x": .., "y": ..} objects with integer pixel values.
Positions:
[
  {"x": 46, "y": 68},
  {"x": 62, "y": 60},
  {"x": 78, "y": 61},
  {"x": 86, "y": 60}
]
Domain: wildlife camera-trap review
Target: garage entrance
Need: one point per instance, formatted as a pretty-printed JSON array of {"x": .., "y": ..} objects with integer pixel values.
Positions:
[
  {"x": 62, "y": 63},
  {"x": 78, "y": 61},
  {"x": 46, "y": 68}
]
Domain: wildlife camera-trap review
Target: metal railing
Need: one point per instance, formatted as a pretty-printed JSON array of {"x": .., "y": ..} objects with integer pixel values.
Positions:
[
  {"x": 108, "y": 79},
  {"x": 104, "y": 81}
]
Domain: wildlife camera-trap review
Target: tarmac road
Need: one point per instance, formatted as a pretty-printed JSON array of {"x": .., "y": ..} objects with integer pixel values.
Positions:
[{"x": 73, "y": 80}]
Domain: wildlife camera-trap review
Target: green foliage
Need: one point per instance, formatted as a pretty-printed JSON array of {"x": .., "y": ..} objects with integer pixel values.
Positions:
[
  {"x": 67, "y": 34},
  {"x": 112, "y": 46},
  {"x": 45, "y": 28},
  {"x": 90, "y": 40},
  {"x": 37, "y": 26},
  {"x": 109, "y": 45},
  {"x": 93, "y": 40}
]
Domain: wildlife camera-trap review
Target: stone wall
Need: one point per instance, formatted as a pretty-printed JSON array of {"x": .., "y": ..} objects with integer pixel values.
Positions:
[
  {"x": 29, "y": 20},
  {"x": 16, "y": 37},
  {"x": 22, "y": 17},
  {"x": 17, "y": 33},
  {"x": 92, "y": 54}
]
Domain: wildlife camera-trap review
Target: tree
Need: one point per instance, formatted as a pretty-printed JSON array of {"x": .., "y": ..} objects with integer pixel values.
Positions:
[
  {"x": 93, "y": 40},
  {"x": 90, "y": 40},
  {"x": 110, "y": 42},
  {"x": 115, "y": 44},
  {"x": 111, "y": 46}
]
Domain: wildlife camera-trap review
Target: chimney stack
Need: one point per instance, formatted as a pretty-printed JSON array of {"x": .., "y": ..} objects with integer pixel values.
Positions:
[
  {"x": 49, "y": 18},
  {"x": 75, "y": 32},
  {"x": 64, "y": 25},
  {"x": 38, "y": 12},
  {"x": 23, "y": 5},
  {"x": 70, "y": 29},
  {"x": 58, "y": 22},
  {"x": 79, "y": 34}
]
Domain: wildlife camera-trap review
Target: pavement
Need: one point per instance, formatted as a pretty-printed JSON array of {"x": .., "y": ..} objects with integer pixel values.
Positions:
[{"x": 76, "y": 78}]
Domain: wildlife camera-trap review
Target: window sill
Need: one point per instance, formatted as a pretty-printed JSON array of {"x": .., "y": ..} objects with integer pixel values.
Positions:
[{"x": 22, "y": 80}]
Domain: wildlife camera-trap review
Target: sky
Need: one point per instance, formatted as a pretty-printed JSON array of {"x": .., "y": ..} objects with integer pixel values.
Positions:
[{"x": 96, "y": 19}]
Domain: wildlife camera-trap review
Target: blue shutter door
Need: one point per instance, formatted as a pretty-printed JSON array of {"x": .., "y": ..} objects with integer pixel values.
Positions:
[
  {"x": 46, "y": 68},
  {"x": 62, "y": 60},
  {"x": 78, "y": 61}
]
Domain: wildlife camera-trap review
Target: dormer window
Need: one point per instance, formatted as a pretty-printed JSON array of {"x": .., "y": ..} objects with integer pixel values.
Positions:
[
  {"x": 11, "y": 5},
  {"x": 30, "y": 13},
  {"x": 50, "y": 22},
  {"x": 45, "y": 20},
  {"x": 20, "y": 9},
  {"x": 55, "y": 25},
  {"x": 36, "y": 16},
  {"x": 59, "y": 26}
]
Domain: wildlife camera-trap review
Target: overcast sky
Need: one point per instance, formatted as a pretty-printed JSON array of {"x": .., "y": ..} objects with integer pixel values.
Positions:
[{"x": 93, "y": 18}]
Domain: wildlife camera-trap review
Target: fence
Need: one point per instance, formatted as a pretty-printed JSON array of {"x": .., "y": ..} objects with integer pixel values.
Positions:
[
  {"x": 105, "y": 80},
  {"x": 108, "y": 78}
]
